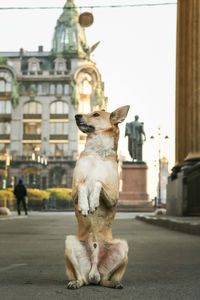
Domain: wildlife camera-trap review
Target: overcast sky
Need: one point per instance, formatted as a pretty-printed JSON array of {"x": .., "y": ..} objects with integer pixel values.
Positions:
[{"x": 136, "y": 58}]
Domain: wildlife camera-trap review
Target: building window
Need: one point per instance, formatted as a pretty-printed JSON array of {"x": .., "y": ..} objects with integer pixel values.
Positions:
[
  {"x": 4, "y": 148},
  {"x": 33, "y": 88},
  {"x": 66, "y": 89},
  {"x": 59, "y": 128},
  {"x": 32, "y": 107},
  {"x": 28, "y": 148},
  {"x": 59, "y": 89},
  {"x": 24, "y": 89},
  {"x": 59, "y": 107},
  {"x": 5, "y": 107},
  {"x": 66, "y": 36},
  {"x": 40, "y": 89},
  {"x": 74, "y": 37},
  {"x": 43, "y": 89},
  {"x": 31, "y": 177},
  {"x": 52, "y": 89},
  {"x": 2, "y": 85},
  {"x": 34, "y": 66},
  {"x": 85, "y": 93},
  {"x": 60, "y": 63},
  {"x": 57, "y": 178},
  {"x": 5, "y": 81},
  {"x": 84, "y": 107},
  {"x": 58, "y": 149},
  {"x": 32, "y": 128},
  {"x": 4, "y": 128},
  {"x": 85, "y": 84},
  {"x": 60, "y": 66}
]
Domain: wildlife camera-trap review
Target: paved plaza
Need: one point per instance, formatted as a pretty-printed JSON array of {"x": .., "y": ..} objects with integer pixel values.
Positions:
[{"x": 163, "y": 264}]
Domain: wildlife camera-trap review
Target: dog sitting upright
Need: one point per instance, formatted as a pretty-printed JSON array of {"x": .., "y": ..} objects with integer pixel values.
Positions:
[{"x": 94, "y": 256}]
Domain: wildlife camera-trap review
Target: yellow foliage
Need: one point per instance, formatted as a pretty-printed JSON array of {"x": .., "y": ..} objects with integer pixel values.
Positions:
[
  {"x": 36, "y": 194},
  {"x": 5, "y": 194},
  {"x": 60, "y": 193}
]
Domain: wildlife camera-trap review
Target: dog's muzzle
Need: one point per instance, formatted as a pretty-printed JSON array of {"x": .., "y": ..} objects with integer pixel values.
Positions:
[{"x": 82, "y": 125}]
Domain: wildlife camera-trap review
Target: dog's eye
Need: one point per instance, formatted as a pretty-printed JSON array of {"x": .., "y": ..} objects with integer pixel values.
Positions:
[{"x": 96, "y": 115}]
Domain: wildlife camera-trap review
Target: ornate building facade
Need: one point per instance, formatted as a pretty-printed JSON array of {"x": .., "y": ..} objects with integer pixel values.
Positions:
[{"x": 40, "y": 92}]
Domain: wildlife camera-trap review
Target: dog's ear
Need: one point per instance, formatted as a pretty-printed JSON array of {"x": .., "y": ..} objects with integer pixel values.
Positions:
[{"x": 119, "y": 115}]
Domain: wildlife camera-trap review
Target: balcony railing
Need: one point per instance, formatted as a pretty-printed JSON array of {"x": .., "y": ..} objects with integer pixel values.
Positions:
[
  {"x": 58, "y": 136},
  {"x": 32, "y": 116},
  {"x": 4, "y": 136},
  {"x": 32, "y": 136},
  {"x": 58, "y": 116},
  {"x": 27, "y": 158},
  {"x": 5, "y": 117}
]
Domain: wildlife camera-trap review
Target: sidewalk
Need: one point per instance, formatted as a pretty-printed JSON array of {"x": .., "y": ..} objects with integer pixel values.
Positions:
[{"x": 189, "y": 225}]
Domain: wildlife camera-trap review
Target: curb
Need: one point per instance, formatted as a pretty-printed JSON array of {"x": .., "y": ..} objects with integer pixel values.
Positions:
[{"x": 173, "y": 224}]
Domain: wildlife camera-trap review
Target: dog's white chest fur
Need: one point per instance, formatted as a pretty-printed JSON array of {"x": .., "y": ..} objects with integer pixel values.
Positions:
[
  {"x": 100, "y": 145},
  {"x": 92, "y": 170}
]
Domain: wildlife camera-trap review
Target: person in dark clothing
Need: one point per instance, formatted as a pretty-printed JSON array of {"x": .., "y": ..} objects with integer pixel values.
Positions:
[{"x": 20, "y": 193}]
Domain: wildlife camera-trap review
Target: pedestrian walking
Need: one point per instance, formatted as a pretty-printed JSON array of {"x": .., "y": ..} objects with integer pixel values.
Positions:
[{"x": 20, "y": 193}]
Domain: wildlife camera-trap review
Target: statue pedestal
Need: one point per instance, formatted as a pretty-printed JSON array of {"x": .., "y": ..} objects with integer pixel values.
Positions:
[{"x": 134, "y": 186}]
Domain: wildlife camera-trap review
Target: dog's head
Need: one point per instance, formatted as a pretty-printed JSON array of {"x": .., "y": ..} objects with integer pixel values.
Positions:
[{"x": 101, "y": 120}]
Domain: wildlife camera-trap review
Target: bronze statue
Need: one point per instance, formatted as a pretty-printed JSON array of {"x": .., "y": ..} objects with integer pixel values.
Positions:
[{"x": 135, "y": 132}]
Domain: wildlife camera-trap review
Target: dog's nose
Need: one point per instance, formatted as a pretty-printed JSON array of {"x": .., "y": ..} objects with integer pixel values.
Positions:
[{"x": 78, "y": 117}]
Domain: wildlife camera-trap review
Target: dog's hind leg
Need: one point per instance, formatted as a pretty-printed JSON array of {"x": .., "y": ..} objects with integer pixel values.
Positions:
[
  {"x": 115, "y": 278},
  {"x": 77, "y": 262},
  {"x": 113, "y": 263}
]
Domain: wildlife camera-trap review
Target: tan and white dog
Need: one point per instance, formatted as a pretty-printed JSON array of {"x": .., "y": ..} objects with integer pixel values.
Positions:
[{"x": 94, "y": 256}]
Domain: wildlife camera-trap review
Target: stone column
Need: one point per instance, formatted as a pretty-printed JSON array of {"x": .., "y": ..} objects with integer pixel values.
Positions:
[{"x": 188, "y": 82}]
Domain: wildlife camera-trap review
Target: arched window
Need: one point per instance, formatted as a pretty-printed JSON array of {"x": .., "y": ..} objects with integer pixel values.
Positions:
[
  {"x": 85, "y": 84},
  {"x": 85, "y": 89},
  {"x": 58, "y": 177},
  {"x": 5, "y": 81},
  {"x": 59, "y": 107},
  {"x": 31, "y": 177},
  {"x": 32, "y": 107}
]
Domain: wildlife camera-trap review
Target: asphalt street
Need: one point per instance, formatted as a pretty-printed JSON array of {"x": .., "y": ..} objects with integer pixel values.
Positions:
[{"x": 163, "y": 264}]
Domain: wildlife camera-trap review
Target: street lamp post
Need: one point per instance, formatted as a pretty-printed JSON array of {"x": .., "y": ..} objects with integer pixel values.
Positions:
[
  {"x": 7, "y": 164},
  {"x": 159, "y": 162},
  {"x": 38, "y": 159}
]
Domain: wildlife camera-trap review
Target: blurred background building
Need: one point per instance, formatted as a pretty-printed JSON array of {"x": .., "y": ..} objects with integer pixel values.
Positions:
[{"x": 40, "y": 92}]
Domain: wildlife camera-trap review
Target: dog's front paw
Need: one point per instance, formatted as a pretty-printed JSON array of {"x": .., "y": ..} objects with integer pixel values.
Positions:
[
  {"x": 94, "y": 197},
  {"x": 83, "y": 209},
  {"x": 94, "y": 204},
  {"x": 75, "y": 284}
]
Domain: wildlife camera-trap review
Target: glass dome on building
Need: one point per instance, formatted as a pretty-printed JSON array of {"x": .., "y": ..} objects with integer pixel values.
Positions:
[{"x": 69, "y": 37}]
